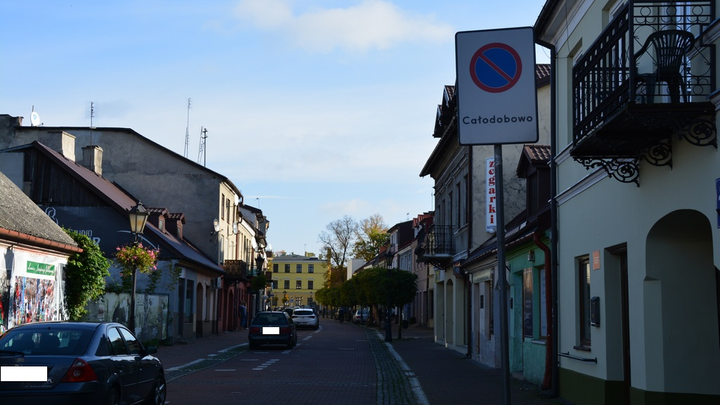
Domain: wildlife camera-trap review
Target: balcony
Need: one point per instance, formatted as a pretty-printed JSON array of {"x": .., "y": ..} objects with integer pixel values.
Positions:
[
  {"x": 235, "y": 270},
  {"x": 436, "y": 247},
  {"x": 646, "y": 80}
]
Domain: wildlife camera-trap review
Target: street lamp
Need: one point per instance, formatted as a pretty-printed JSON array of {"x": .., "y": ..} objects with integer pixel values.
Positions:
[{"x": 138, "y": 218}]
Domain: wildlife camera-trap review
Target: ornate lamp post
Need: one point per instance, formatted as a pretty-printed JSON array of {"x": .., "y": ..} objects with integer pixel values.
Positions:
[{"x": 138, "y": 218}]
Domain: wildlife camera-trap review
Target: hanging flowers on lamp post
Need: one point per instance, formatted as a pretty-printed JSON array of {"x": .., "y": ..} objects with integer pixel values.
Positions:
[{"x": 135, "y": 257}]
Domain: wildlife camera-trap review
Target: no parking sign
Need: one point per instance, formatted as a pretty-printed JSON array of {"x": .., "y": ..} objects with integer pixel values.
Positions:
[{"x": 496, "y": 86}]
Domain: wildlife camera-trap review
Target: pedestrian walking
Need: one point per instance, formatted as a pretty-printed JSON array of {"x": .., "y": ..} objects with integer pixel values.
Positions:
[
  {"x": 341, "y": 314},
  {"x": 243, "y": 315}
]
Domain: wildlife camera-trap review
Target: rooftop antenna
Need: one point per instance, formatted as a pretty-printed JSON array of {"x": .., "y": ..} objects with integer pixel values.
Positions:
[
  {"x": 187, "y": 130},
  {"x": 202, "y": 154},
  {"x": 92, "y": 115},
  {"x": 34, "y": 118}
]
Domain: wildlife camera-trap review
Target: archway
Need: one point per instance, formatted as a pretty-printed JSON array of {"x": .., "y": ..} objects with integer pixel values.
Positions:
[
  {"x": 449, "y": 313},
  {"x": 199, "y": 301},
  {"x": 680, "y": 307}
]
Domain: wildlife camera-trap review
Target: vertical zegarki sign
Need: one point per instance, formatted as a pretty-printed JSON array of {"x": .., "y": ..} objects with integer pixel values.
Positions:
[
  {"x": 496, "y": 86},
  {"x": 490, "y": 194}
]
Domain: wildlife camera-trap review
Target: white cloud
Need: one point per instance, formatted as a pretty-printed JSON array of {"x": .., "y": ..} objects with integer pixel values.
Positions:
[{"x": 371, "y": 24}]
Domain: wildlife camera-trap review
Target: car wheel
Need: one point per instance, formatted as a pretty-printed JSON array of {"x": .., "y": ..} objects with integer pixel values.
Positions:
[
  {"x": 159, "y": 392},
  {"x": 113, "y": 397}
]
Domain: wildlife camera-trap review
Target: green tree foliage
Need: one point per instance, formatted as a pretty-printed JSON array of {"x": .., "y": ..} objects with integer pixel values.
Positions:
[
  {"x": 84, "y": 276},
  {"x": 258, "y": 282},
  {"x": 371, "y": 236}
]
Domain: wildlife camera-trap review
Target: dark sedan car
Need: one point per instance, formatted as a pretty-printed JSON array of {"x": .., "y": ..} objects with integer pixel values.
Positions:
[
  {"x": 272, "y": 328},
  {"x": 78, "y": 363}
]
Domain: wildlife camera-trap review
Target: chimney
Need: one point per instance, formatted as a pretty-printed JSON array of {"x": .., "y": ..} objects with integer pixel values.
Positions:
[
  {"x": 92, "y": 158},
  {"x": 59, "y": 141}
]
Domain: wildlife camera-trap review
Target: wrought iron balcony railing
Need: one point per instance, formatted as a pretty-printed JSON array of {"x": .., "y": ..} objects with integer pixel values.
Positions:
[
  {"x": 437, "y": 246},
  {"x": 646, "y": 78}
]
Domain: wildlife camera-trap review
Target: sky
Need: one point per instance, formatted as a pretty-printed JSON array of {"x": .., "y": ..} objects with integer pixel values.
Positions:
[{"x": 314, "y": 109}]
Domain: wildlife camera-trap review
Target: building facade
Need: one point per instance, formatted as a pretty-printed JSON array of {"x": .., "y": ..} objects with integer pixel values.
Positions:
[
  {"x": 296, "y": 278},
  {"x": 637, "y": 199}
]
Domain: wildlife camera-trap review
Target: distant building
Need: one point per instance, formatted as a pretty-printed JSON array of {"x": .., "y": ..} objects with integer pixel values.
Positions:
[{"x": 296, "y": 278}]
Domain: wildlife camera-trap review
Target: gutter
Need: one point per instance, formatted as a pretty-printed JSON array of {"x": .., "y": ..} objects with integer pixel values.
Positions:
[
  {"x": 39, "y": 242},
  {"x": 547, "y": 376},
  {"x": 553, "y": 200}
]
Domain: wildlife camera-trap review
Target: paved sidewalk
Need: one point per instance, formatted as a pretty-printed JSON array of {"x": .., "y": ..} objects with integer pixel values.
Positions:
[
  {"x": 413, "y": 370},
  {"x": 448, "y": 377}
]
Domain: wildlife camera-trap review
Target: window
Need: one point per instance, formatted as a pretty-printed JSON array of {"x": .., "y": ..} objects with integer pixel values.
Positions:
[
  {"x": 584, "y": 300},
  {"x": 459, "y": 204},
  {"x": 310, "y": 285},
  {"x": 298, "y": 268},
  {"x": 275, "y": 267},
  {"x": 298, "y": 284},
  {"x": 275, "y": 284},
  {"x": 286, "y": 284},
  {"x": 132, "y": 343},
  {"x": 287, "y": 268},
  {"x": 188, "y": 310},
  {"x": 227, "y": 207},
  {"x": 311, "y": 268},
  {"x": 117, "y": 346},
  {"x": 222, "y": 206}
]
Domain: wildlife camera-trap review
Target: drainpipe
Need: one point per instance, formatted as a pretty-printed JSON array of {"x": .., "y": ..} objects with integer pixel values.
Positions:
[
  {"x": 553, "y": 217},
  {"x": 548, "y": 311}
]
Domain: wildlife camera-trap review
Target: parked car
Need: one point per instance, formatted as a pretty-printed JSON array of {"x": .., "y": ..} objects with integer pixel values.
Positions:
[
  {"x": 288, "y": 311},
  {"x": 305, "y": 317},
  {"x": 272, "y": 327},
  {"x": 78, "y": 363},
  {"x": 361, "y": 315}
]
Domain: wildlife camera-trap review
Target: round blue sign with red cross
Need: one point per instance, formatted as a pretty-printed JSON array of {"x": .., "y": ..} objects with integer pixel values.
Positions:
[{"x": 495, "y": 67}]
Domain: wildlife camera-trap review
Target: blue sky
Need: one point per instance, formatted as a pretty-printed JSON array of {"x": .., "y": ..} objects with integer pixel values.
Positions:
[{"x": 315, "y": 109}]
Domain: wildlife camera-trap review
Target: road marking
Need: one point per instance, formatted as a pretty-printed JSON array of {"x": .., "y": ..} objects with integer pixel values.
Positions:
[{"x": 225, "y": 369}]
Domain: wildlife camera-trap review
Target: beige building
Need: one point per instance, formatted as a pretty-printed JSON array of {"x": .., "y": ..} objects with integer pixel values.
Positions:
[{"x": 637, "y": 173}]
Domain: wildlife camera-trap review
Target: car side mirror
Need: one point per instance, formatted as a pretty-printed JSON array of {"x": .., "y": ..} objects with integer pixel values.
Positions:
[{"x": 150, "y": 350}]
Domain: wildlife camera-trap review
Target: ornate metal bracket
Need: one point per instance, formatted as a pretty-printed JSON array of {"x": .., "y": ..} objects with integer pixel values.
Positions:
[
  {"x": 622, "y": 170},
  {"x": 660, "y": 154},
  {"x": 700, "y": 132}
]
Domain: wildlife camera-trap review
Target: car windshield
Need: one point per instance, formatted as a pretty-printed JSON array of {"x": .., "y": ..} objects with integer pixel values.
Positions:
[
  {"x": 270, "y": 319},
  {"x": 54, "y": 341},
  {"x": 303, "y": 312}
]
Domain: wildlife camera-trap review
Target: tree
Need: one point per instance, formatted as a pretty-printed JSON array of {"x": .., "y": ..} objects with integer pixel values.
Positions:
[
  {"x": 371, "y": 236},
  {"x": 84, "y": 276},
  {"x": 337, "y": 242}
]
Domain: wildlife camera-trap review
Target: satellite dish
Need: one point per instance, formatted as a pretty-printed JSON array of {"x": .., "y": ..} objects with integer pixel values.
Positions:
[{"x": 34, "y": 119}]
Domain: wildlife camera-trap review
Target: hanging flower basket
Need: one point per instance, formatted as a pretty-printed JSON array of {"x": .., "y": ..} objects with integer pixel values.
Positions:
[{"x": 136, "y": 257}]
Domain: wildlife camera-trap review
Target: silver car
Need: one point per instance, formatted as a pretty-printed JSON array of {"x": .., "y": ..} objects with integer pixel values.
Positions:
[{"x": 305, "y": 318}]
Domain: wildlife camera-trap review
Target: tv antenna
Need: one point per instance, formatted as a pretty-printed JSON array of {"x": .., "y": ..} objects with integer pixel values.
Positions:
[
  {"x": 202, "y": 154},
  {"x": 34, "y": 118},
  {"x": 187, "y": 130},
  {"x": 92, "y": 115}
]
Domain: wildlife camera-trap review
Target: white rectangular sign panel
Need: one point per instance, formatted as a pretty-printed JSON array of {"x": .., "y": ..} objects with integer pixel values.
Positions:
[{"x": 496, "y": 86}]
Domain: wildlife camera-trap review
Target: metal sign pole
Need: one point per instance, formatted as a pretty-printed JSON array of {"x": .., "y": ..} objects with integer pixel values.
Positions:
[{"x": 502, "y": 278}]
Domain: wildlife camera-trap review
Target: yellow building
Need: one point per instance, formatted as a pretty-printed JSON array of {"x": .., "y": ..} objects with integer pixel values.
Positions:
[{"x": 296, "y": 278}]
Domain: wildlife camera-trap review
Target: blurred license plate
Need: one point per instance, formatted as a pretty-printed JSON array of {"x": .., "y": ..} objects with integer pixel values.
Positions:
[
  {"x": 23, "y": 373},
  {"x": 271, "y": 330}
]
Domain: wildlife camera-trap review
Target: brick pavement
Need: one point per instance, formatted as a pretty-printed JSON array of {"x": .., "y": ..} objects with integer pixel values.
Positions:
[{"x": 413, "y": 370}]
